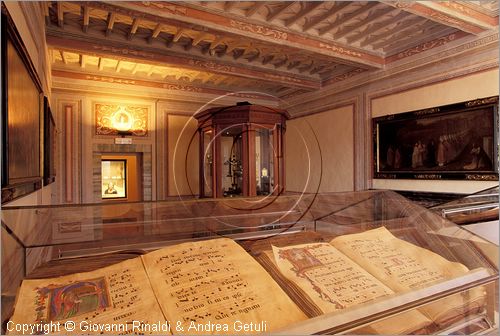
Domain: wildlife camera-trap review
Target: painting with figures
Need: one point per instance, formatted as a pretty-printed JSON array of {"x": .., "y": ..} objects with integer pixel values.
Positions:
[
  {"x": 455, "y": 141},
  {"x": 114, "y": 178}
]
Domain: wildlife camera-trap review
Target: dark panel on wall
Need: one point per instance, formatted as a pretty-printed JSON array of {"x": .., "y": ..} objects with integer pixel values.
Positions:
[
  {"x": 21, "y": 116},
  {"x": 49, "y": 144}
]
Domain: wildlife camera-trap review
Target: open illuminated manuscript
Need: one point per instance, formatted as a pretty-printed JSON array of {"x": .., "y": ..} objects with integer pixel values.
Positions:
[
  {"x": 192, "y": 288},
  {"x": 216, "y": 287},
  {"x": 110, "y": 300},
  {"x": 360, "y": 268}
]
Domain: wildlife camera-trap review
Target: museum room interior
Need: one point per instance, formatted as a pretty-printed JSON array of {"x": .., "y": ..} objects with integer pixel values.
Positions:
[{"x": 114, "y": 111}]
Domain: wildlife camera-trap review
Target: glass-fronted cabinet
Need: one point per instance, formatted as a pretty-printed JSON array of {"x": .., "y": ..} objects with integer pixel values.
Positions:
[
  {"x": 241, "y": 150},
  {"x": 231, "y": 155},
  {"x": 206, "y": 174},
  {"x": 264, "y": 161}
]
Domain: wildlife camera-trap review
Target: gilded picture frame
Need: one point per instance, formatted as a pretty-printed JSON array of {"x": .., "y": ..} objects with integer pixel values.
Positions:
[{"x": 457, "y": 141}]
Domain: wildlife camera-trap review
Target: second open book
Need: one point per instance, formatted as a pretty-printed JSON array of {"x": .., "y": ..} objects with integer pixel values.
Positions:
[
  {"x": 215, "y": 286},
  {"x": 360, "y": 268}
]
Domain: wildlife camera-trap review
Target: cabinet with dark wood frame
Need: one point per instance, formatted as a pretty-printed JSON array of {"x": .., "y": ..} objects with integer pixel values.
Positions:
[{"x": 251, "y": 118}]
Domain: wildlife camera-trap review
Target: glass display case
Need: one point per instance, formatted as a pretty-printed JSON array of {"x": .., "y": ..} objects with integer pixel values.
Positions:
[
  {"x": 476, "y": 213},
  {"x": 241, "y": 150},
  {"x": 475, "y": 208},
  {"x": 50, "y": 241}
]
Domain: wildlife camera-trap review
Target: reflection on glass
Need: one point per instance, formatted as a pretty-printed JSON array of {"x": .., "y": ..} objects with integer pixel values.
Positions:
[
  {"x": 231, "y": 154},
  {"x": 264, "y": 161},
  {"x": 114, "y": 183},
  {"x": 207, "y": 162}
]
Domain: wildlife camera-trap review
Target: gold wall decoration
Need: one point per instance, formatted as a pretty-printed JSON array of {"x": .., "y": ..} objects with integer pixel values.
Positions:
[{"x": 112, "y": 119}]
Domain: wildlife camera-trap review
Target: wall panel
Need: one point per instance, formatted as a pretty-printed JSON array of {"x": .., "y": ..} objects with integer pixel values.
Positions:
[
  {"x": 182, "y": 155},
  {"x": 320, "y": 152}
]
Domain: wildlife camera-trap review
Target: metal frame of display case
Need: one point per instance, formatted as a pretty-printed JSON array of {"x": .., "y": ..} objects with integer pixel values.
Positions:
[{"x": 478, "y": 207}]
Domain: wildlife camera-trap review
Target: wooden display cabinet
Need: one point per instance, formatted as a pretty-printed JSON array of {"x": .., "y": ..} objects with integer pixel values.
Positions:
[{"x": 241, "y": 150}]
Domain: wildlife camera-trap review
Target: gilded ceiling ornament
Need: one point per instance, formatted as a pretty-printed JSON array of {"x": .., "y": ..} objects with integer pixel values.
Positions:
[
  {"x": 179, "y": 87},
  {"x": 339, "y": 50},
  {"x": 166, "y": 7},
  {"x": 283, "y": 78},
  {"x": 110, "y": 79},
  {"x": 427, "y": 45},
  {"x": 478, "y": 102},
  {"x": 257, "y": 29},
  {"x": 211, "y": 65},
  {"x": 402, "y": 4}
]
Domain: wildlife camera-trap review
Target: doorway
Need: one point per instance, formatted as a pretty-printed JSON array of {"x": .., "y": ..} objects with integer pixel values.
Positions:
[{"x": 121, "y": 181}]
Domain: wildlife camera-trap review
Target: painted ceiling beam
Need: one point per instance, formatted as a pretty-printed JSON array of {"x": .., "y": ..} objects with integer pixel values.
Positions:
[
  {"x": 180, "y": 15},
  {"x": 86, "y": 18},
  {"x": 60, "y": 14},
  {"x": 450, "y": 13},
  {"x": 363, "y": 23},
  {"x": 133, "y": 29},
  {"x": 401, "y": 27},
  {"x": 63, "y": 57},
  {"x": 120, "y": 50},
  {"x": 83, "y": 61},
  {"x": 336, "y": 9},
  {"x": 155, "y": 32},
  {"x": 408, "y": 30},
  {"x": 303, "y": 12},
  {"x": 348, "y": 17},
  {"x": 276, "y": 13},
  {"x": 111, "y": 23},
  {"x": 228, "y": 5},
  {"x": 46, "y": 12},
  {"x": 373, "y": 30},
  {"x": 255, "y": 8}
]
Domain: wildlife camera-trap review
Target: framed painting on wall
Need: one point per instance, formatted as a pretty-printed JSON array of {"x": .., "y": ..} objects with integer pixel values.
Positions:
[
  {"x": 22, "y": 114},
  {"x": 457, "y": 141},
  {"x": 114, "y": 179}
]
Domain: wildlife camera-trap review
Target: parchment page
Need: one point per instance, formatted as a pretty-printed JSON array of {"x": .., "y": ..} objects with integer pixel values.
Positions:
[
  {"x": 403, "y": 266},
  {"x": 214, "y": 286},
  {"x": 117, "y": 299},
  {"x": 334, "y": 282}
]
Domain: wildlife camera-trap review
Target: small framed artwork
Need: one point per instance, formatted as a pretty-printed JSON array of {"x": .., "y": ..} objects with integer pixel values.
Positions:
[
  {"x": 457, "y": 141},
  {"x": 114, "y": 179}
]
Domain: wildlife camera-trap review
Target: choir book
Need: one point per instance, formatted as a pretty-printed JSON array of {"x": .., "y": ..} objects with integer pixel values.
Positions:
[
  {"x": 360, "y": 268},
  {"x": 208, "y": 287},
  {"x": 216, "y": 287}
]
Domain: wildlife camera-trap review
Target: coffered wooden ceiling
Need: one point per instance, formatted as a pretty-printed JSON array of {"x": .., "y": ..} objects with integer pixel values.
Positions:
[{"x": 276, "y": 47}]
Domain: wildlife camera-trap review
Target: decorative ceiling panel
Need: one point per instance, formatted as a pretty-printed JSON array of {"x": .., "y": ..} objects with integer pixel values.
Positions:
[{"x": 280, "y": 47}]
